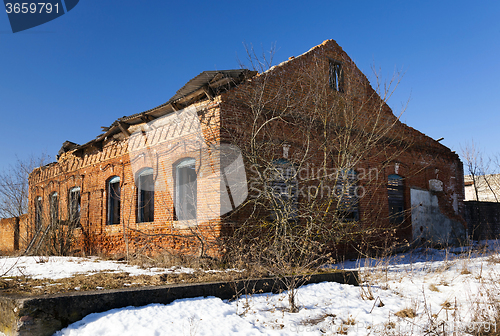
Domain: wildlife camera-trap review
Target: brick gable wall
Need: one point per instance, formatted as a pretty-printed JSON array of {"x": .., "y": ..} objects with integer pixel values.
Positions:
[{"x": 225, "y": 119}]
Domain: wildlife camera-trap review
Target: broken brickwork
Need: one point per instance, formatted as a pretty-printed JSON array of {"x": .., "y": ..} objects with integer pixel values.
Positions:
[{"x": 155, "y": 140}]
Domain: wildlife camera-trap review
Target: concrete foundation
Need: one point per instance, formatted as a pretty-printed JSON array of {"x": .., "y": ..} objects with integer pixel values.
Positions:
[{"x": 44, "y": 315}]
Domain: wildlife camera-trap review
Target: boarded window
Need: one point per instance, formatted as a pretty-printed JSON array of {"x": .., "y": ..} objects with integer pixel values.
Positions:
[
  {"x": 114, "y": 200},
  {"x": 346, "y": 190},
  {"x": 186, "y": 190},
  {"x": 395, "y": 193},
  {"x": 145, "y": 196},
  {"x": 284, "y": 188},
  {"x": 74, "y": 203},
  {"x": 336, "y": 76},
  {"x": 54, "y": 208}
]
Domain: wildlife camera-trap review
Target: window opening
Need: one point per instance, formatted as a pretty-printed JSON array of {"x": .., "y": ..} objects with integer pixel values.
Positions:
[
  {"x": 347, "y": 193},
  {"x": 186, "y": 190},
  {"x": 395, "y": 192},
  {"x": 145, "y": 196},
  {"x": 114, "y": 200},
  {"x": 336, "y": 76},
  {"x": 74, "y": 204},
  {"x": 54, "y": 208}
]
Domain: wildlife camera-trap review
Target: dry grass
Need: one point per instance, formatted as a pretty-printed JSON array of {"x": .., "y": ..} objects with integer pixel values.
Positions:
[
  {"x": 316, "y": 320},
  {"x": 366, "y": 292},
  {"x": 465, "y": 271},
  {"x": 350, "y": 321},
  {"x": 406, "y": 313},
  {"x": 446, "y": 305},
  {"x": 433, "y": 288},
  {"x": 344, "y": 327},
  {"x": 166, "y": 260},
  {"x": 105, "y": 280}
]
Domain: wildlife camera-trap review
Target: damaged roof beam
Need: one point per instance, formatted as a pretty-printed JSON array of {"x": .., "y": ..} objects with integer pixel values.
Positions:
[
  {"x": 175, "y": 107},
  {"x": 124, "y": 128},
  {"x": 147, "y": 118},
  {"x": 208, "y": 92}
]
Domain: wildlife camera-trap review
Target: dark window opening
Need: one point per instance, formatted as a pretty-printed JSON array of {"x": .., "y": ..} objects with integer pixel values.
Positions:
[
  {"x": 38, "y": 213},
  {"x": 54, "y": 208},
  {"x": 395, "y": 192},
  {"x": 346, "y": 190},
  {"x": 74, "y": 204},
  {"x": 114, "y": 200},
  {"x": 336, "y": 76},
  {"x": 284, "y": 187},
  {"x": 145, "y": 196},
  {"x": 186, "y": 190}
]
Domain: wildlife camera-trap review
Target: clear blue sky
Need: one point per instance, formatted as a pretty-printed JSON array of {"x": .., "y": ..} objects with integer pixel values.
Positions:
[{"x": 107, "y": 59}]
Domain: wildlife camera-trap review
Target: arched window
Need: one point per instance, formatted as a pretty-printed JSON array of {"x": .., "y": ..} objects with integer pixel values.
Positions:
[
  {"x": 395, "y": 193},
  {"x": 347, "y": 193},
  {"x": 185, "y": 189},
  {"x": 284, "y": 187},
  {"x": 38, "y": 213},
  {"x": 145, "y": 195},
  {"x": 54, "y": 208},
  {"x": 74, "y": 201},
  {"x": 113, "y": 189}
]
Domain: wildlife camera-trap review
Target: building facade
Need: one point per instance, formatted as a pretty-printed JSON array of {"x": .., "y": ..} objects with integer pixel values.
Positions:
[{"x": 179, "y": 177}]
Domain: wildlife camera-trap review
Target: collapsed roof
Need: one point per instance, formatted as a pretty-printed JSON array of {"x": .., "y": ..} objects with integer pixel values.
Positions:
[{"x": 206, "y": 85}]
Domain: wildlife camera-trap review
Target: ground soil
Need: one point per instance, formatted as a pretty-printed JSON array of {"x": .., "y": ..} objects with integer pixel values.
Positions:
[{"x": 107, "y": 280}]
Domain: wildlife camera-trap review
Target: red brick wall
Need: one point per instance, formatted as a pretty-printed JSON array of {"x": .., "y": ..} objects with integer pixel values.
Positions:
[
  {"x": 92, "y": 171},
  {"x": 289, "y": 87},
  {"x": 13, "y": 234},
  {"x": 420, "y": 158}
]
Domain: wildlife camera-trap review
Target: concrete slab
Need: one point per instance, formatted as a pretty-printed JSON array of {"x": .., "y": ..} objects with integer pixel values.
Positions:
[{"x": 44, "y": 315}]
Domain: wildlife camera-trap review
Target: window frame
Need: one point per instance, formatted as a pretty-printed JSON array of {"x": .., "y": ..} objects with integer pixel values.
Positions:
[
  {"x": 396, "y": 198},
  {"x": 113, "y": 201},
  {"x": 284, "y": 187},
  {"x": 336, "y": 79},
  {"x": 38, "y": 213},
  {"x": 142, "y": 193},
  {"x": 74, "y": 213},
  {"x": 348, "y": 199},
  {"x": 54, "y": 207},
  {"x": 188, "y": 211}
]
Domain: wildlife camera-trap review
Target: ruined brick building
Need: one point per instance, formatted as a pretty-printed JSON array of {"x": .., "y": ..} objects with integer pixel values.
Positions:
[
  {"x": 157, "y": 179},
  {"x": 13, "y": 233}
]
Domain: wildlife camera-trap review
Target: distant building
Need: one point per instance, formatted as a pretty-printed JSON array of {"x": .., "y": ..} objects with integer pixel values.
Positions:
[
  {"x": 486, "y": 187},
  {"x": 14, "y": 235},
  {"x": 482, "y": 206}
]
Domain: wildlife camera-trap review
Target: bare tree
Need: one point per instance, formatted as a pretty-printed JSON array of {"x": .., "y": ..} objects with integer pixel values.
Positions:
[
  {"x": 307, "y": 143},
  {"x": 52, "y": 227},
  {"x": 14, "y": 186},
  {"x": 481, "y": 170}
]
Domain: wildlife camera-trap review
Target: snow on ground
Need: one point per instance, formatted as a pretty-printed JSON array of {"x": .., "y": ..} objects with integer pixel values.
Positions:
[
  {"x": 452, "y": 290},
  {"x": 64, "y": 267}
]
